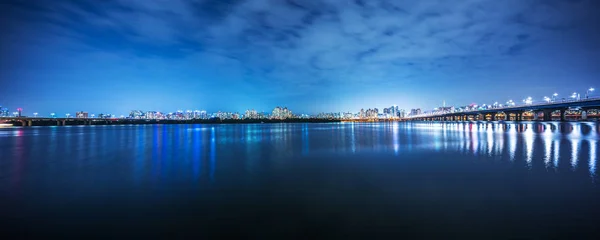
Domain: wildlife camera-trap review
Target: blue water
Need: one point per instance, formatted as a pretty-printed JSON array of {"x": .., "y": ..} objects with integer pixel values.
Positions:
[{"x": 425, "y": 180}]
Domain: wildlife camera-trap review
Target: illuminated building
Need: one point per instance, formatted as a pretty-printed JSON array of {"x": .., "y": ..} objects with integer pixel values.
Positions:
[
  {"x": 281, "y": 113},
  {"x": 402, "y": 113},
  {"x": 81, "y": 115},
  {"x": 251, "y": 114},
  {"x": 4, "y": 112},
  {"x": 136, "y": 114},
  {"x": 415, "y": 111}
]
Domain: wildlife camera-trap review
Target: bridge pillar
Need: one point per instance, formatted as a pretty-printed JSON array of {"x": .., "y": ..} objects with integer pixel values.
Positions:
[
  {"x": 547, "y": 115},
  {"x": 519, "y": 116},
  {"x": 29, "y": 123},
  {"x": 64, "y": 122},
  {"x": 562, "y": 115},
  {"x": 493, "y": 117},
  {"x": 584, "y": 114},
  {"x": 536, "y": 116}
]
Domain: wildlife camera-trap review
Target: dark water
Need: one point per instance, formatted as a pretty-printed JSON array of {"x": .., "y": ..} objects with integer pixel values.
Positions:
[{"x": 425, "y": 180}]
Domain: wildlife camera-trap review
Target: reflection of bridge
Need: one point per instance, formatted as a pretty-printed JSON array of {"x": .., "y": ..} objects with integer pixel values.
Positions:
[{"x": 547, "y": 111}]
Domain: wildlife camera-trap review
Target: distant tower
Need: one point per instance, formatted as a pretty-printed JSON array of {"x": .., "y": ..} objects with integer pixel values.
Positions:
[
  {"x": 444, "y": 104},
  {"x": 20, "y": 112}
]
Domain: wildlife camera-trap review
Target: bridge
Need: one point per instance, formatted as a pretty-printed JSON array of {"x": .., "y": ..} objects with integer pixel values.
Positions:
[
  {"x": 545, "y": 111},
  {"x": 43, "y": 121}
]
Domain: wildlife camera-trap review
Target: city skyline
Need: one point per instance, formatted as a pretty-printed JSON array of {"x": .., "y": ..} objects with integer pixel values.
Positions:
[
  {"x": 547, "y": 98},
  {"x": 312, "y": 56}
]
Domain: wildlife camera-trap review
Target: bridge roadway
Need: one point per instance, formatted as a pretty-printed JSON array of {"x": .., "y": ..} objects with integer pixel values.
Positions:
[{"x": 539, "y": 111}]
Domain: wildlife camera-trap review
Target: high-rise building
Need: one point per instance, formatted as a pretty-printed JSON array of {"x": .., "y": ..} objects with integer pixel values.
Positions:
[
  {"x": 19, "y": 112},
  {"x": 281, "y": 113},
  {"x": 415, "y": 111},
  {"x": 4, "y": 112},
  {"x": 402, "y": 113},
  {"x": 136, "y": 114},
  {"x": 151, "y": 115},
  {"x": 81, "y": 114},
  {"x": 251, "y": 114}
]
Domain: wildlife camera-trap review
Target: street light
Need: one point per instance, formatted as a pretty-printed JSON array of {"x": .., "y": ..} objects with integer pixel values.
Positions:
[
  {"x": 68, "y": 114},
  {"x": 35, "y": 114},
  {"x": 587, "y": 93},
  {"x": 547, "y": 99},
  {"x": 93, "y": 115},
  {"x": 52, "y": 115}
]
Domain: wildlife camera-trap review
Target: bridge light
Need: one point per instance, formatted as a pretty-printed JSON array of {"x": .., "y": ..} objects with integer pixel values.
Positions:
[
  {"x": 547, "y": 99},
  {"x": 587, "y": 93}
]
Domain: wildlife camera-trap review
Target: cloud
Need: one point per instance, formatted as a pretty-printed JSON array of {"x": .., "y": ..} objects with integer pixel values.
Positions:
[{"x": 299, "y": 46}]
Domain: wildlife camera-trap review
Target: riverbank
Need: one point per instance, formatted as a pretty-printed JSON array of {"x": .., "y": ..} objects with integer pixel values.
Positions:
[{"x": 77, "y": 122}]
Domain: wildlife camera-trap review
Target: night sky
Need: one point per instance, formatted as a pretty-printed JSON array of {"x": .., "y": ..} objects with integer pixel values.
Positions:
[{"x": 312, "y": 56}]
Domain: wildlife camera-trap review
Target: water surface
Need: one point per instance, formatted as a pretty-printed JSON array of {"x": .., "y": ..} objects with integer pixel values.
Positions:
[{"x": 484, "y": 180}]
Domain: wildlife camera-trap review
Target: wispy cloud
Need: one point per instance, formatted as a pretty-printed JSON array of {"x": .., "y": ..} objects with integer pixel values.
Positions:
[{"x": 301, "y": 46}]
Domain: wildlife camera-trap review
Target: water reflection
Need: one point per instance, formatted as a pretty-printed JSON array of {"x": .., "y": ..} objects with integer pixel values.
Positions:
[
  {"x": 213, "y": 153},
  {"x": 575, "y": 140},
  {"x": 593, "y": 158},
  {"x": 529, "y": 138},
  {"x": 161, "y": 153}
]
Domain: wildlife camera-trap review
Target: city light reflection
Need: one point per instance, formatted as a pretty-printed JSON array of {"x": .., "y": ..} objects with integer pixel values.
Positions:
[
  {"x": 529, "y": 138},
  {"x": 213, "y": 153},
  {"x": 547, "y": 138},
  {"x": 575, "y": 139},
  {"x": 593, "y": 157}
]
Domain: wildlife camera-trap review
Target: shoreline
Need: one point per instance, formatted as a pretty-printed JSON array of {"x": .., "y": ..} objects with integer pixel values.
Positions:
[{"x": 93, "y": 122}]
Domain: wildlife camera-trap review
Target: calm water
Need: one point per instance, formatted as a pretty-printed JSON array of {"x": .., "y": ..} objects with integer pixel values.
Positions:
[{"x": 485, "y": 180}]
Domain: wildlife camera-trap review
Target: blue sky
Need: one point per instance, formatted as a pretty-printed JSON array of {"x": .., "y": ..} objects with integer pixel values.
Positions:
[{"x": 312, "y": 56}]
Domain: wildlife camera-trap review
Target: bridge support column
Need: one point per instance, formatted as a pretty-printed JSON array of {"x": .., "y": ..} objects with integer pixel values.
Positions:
[
  {"x": 493, "y": 117},
  {"x": 584, "y": 115},
  {"x": 562, "y": 115},
  {"x": 29, "y": 123},
  {"x": 536, "y": 116},
  {"x": 509, "y": 116},
  {"x": 547, "y": 115},
  {"x": 64, "y": 122},
  {"x": 519, "y": 116}
]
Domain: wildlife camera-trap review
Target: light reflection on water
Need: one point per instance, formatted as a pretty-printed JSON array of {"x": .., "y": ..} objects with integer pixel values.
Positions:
[
  {"x": 161, "y": 153},
  {"x": 478, "y": 170}
]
